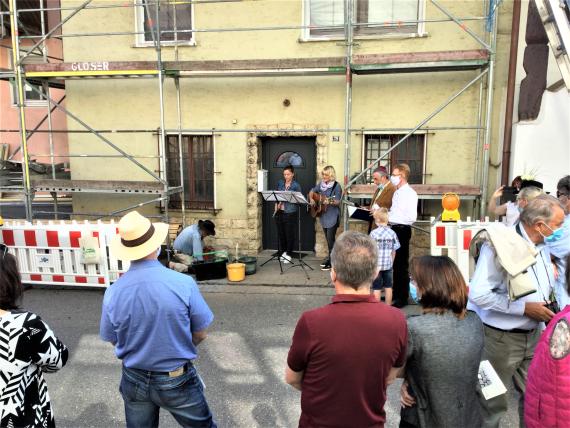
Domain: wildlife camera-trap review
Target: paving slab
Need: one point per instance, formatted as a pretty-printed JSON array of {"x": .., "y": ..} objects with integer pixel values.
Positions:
[{"x": 293, "y": 274}]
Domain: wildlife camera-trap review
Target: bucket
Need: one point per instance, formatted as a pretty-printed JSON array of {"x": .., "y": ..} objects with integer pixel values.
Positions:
[
  {"x": 250, "y": 264},
  {"x": 236, "y": 272}
]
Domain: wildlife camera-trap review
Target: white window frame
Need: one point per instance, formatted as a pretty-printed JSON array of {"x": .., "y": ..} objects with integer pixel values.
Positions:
[
  {"x": 30, "y": 59},
  {"x": 139, "y": 28},
  {"x": 306, "y": 33}
]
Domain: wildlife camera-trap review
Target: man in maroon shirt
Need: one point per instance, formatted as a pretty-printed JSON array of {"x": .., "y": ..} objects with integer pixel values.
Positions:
[{"x": 345, "y": 354}]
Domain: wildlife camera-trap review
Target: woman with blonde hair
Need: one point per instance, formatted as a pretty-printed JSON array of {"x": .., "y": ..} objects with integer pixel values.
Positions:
[
  {"x": 445, "y": 344},
  {"x": 331, "y": 193}
]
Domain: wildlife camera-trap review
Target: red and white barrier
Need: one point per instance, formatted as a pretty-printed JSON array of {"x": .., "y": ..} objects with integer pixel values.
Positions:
[
  {"x": 51, "y": 254},
  {"x": 454, "y": 239}
]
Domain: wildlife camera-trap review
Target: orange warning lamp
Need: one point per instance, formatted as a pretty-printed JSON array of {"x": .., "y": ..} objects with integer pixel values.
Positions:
[{"x": 450, "y": 203}]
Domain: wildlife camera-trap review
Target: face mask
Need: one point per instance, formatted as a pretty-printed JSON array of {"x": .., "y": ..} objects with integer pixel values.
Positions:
[
  {"x": 395, "y": 180},
  {"x": 520, "y": 209},
  {"x": 414, "y": 293},
  {"x": 556, "y": 234},
  {"x": 380, "y": 186}
]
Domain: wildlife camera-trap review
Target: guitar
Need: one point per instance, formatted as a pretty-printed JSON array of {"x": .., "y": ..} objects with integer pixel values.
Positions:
[{"x": 321, "y": 204}]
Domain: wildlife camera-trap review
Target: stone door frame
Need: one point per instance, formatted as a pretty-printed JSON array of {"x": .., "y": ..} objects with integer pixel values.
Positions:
[{"x": 254, "y": 200}]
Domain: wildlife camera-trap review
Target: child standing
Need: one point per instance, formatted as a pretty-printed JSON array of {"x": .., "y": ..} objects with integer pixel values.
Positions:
[{"x": 388, "y": 243}]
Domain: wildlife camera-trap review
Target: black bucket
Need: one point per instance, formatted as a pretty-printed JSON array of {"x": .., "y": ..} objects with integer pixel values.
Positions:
[{"x": 250, "y": 264}]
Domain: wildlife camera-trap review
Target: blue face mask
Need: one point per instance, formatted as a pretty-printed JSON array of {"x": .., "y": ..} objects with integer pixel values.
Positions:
[
  {"x": 556, "y": 234},
  {"x": 414, "y": 293}
]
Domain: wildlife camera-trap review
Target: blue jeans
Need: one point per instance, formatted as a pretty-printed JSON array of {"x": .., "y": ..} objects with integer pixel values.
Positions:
[{"x": 144, "y": 393}]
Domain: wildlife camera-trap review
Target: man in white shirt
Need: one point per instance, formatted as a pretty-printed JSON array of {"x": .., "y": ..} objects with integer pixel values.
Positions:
[
  {"x": 402, "y": 215},
  {"x": 512, "y": 328}
]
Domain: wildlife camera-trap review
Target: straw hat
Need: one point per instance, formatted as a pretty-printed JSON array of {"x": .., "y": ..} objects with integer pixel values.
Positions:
[{"x": 138, "y": 237}]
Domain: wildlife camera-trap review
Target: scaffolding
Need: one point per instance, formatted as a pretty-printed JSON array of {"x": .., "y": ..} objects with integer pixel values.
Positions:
[{"x": 54, "y": 75}]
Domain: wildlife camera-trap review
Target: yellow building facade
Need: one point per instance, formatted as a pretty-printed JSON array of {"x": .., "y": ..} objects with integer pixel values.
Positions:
[{"x": 234, "y": 113}]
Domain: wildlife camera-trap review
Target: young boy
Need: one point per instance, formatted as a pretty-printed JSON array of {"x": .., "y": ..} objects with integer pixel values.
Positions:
[{"x": 388, "y": 243}]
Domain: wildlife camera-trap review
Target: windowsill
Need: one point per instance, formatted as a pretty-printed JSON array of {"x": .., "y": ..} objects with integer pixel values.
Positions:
[
  {"x": 189, "y": 44},
  {"x": 392, "y": 36},
  {"x": 33, "y": 105},
  {"x": 195, "y": 210}
]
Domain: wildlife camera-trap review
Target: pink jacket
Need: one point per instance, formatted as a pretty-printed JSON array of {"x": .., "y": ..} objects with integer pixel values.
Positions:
[{"x": 547, "y": 397}]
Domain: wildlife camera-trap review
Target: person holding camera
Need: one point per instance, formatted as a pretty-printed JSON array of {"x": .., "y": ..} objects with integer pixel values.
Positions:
[
  {"x": 512, "y": 327},
  {"x": 511, "y": 210}
]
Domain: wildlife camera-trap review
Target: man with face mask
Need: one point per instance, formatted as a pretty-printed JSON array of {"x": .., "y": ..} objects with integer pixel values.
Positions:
[
  {"x": 513, "y": 327},
  {"x": 559, "y": 242},
  {"x": 382, "y": 197},
  {"x": 402, "y": 215}
]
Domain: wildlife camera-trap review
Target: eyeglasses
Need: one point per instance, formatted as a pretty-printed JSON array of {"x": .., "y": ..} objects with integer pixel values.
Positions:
[{"x": 561, "y": 194}]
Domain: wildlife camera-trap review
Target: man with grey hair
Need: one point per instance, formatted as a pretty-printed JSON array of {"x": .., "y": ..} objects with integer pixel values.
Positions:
[
  {"x": 382, "y": 197},
  {"x": 344, "y": 355},
  {"x": 513, "y": 327}
]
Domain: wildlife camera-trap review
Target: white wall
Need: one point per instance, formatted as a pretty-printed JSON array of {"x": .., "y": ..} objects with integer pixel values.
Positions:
[{"x": 542, "y": 146}]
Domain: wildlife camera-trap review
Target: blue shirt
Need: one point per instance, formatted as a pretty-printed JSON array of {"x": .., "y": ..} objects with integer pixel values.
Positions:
[
  {"x": 488, "y": 294},
  {"x": 149, "y": 313},
  {"x": 189, "y": 242},
  {"x": 387, "y": 242},
  {"x": 295, "y": 187},
  {"x": 560, "y": 249},
  {"x": 330, "y": 217}
]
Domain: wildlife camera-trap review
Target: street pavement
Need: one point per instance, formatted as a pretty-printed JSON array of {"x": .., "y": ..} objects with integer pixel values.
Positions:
[{"x": 242, "y": 361}]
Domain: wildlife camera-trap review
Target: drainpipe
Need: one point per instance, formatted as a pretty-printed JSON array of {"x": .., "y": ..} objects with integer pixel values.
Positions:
[
  {"x": 489, "y": 114},
  {"x": 507, "y": 138}
]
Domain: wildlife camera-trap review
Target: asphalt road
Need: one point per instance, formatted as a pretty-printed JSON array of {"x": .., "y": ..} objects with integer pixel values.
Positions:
[{"x": 242, "y": 361}]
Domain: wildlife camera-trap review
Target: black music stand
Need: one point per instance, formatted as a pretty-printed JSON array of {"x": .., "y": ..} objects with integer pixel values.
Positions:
[
  {"x": 274, "y": 196},
  {"x": 298, "y": 199}
]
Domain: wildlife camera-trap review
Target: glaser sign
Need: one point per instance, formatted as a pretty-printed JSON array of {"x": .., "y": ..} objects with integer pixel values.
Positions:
[{"x": 90, "y": 66}]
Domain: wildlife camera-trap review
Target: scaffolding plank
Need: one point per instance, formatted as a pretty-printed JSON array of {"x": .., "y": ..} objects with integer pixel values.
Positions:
[
  {"x": 424, "y": 191},
  {"x": 96, "y": 186},
  {"x": 414, "y": 62},
  {"x": 396, "y": 62}
]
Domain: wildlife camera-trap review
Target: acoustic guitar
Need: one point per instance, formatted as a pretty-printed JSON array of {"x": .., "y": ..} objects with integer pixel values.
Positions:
[{"x": 321, "y": 204}]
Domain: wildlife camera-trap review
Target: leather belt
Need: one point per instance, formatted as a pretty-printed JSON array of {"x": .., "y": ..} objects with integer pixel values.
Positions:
[
  {"x": 174, "y": 373},
  {"x": 513, "y": 330}
]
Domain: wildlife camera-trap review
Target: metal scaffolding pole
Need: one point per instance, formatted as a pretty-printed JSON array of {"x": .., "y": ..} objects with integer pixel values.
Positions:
[
  {"x": 348, "y": 28},
  {"x": 162, "y": 146},
  {"x": 57, "y": 27},
  {"x": 180, "y": 159},
  {"x": 101, "y": 137},
  {"x": 422, "y": 123},
  {"x": 19, "y": 80},
  {"x": 488, "y": 115}
]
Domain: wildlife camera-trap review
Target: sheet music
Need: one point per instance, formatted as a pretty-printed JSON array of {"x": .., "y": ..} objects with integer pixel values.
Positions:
[
  {"x": 284, "y": 196},
  {"x": 491, "y": 384}
]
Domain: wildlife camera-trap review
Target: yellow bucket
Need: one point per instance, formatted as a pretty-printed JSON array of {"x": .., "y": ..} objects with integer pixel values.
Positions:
[{"x": 236, "y": 272}]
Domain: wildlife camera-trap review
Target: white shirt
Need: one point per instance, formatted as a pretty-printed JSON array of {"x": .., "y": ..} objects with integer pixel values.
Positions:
[
  {"x": 512, "y": 215},
  {"x": 489, "y": 297},
  {"x": 404, "y": 206}
]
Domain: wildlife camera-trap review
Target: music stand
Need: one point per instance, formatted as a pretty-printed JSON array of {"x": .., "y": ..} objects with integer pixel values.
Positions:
[
  {"x": 298, "y": 199},
  {"x": 273, "y": 196}
]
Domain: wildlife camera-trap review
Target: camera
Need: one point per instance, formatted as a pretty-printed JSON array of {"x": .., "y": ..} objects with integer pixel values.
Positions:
[{"x": 509, "y": 194}]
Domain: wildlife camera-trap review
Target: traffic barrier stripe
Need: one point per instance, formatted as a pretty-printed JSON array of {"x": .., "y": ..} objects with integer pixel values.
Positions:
[{"x": 51, "y": 253}]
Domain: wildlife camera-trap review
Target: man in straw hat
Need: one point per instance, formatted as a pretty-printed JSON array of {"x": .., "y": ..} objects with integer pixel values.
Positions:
[{"x": 155, "y": 318}]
